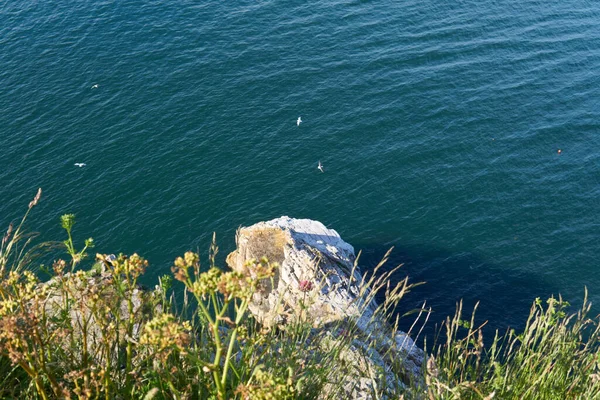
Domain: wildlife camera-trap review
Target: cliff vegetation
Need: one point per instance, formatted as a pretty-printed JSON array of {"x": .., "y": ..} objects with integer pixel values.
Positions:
[{"x": 297, "y": 322}]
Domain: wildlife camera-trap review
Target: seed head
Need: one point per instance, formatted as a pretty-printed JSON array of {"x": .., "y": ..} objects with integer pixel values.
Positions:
[
  {"x": 8, "y": 233},
  {"x": 36, "y": 199}
]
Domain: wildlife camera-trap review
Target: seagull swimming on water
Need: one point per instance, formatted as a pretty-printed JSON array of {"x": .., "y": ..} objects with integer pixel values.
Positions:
[
  {"x": 320, "y": 166},
  {"x": 299, "y": 121},
  {"x": 95, "y": 86},
  {"x": 79, "y": 164}
]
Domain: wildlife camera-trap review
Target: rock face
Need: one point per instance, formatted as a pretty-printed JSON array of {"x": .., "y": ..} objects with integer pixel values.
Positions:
[
  {"x": 75, "y": 295},
  {"x": 316, "y": 258}
]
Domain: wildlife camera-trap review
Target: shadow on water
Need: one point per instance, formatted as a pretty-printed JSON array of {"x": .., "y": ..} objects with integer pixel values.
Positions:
[{"x": 505, "y": 295}]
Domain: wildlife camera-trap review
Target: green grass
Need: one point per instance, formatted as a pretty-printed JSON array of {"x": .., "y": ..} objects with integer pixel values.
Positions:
[{"x": 555, "y": 357}]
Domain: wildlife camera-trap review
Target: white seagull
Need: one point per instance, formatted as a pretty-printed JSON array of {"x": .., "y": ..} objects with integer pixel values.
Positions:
[
  {"x": 80, "y": 164},
  {"x": 320, "y": 167},
  {"x": 299, "y": 121},
  {"x": 95, "y": 86}
]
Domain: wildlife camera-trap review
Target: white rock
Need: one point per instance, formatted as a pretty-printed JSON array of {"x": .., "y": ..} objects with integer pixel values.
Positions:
[{"x": 308, "y": 251}]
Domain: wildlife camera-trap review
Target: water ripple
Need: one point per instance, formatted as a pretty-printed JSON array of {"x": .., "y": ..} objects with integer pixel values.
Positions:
[{"x": 438, "y": 125}]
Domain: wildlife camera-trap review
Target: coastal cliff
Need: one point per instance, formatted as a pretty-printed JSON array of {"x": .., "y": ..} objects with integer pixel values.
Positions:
[
  {"x": 294, "y": 317},
  {"x": 312, "y": 256}
]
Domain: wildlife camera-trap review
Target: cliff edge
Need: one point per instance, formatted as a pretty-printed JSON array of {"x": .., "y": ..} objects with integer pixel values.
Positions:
[{"x": 318, "y": 278}]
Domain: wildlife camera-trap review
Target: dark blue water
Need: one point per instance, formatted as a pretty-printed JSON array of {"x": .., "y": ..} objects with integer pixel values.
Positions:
[{"x": 438, "y": 125}]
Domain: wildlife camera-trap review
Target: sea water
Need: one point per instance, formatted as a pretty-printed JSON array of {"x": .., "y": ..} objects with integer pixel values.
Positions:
[{"x": 465, "y": 133}]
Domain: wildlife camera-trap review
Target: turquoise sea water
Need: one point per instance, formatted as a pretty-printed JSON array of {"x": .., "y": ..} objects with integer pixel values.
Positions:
[{"x": 438, "y": 125}]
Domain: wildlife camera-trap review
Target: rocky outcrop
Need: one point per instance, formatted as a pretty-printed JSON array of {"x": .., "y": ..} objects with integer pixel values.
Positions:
[
  {"x": 318, "y": 278},
  {"x": 88, "y": 302}
]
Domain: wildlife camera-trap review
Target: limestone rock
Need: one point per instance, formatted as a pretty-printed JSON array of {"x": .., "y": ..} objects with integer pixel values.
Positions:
[
  {"x": 308, "y": 252},
  {"x": 76, "y": 295}
]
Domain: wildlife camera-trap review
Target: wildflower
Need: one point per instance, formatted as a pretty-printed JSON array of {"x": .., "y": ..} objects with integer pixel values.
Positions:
[
  {"x": 59, "y": 267},
  {"x": 8, "y": 306},
  {"x": 207, "y": 283},
  {"x": 180, "y": 270},
  {"x": 13, "y": 278},
  {"x": 136, "y": 265},
  {"x": 262, "y": 269},
  {"x": 234, "y": 284},
  {"x": 30, "y": 277},
  {"x": 242, "y": 332},
  {"x": 133, "y": 266},
  {"x": 267, "y": 387},
  {"x": 165, "y": 334},
  {"x": 191, "y": 258},
  {"x": 305, "y": 286}
]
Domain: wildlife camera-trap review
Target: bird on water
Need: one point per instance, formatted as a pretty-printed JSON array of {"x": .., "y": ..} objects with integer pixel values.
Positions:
[{"x": 299, "y": 121}]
